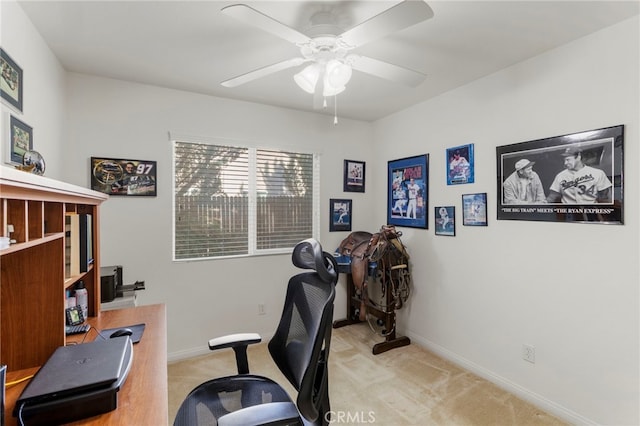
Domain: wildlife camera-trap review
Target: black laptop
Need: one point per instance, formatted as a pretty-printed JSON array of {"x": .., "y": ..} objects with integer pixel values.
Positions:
[{"x": 75, "y": 369}]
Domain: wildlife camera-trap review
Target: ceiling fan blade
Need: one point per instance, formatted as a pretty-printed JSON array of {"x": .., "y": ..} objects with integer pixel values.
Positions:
[
  {"x": 396, "y": 18},
  {"x": 258, "y": 19},
  {"x": 262, "y": 72},
  {"x": 387, "y": 71}
]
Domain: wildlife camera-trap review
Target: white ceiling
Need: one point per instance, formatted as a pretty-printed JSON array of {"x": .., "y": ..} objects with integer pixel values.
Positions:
[{"x": 192, "y": 46}]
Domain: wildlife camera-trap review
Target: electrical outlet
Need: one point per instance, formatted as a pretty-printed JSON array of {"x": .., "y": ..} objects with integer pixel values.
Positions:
[
  {"x": 529, "y": 353},
  {"x": 261, "y": 309}
]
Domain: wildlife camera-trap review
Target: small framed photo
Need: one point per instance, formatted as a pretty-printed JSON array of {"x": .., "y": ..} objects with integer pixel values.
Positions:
[
  {"x": 408, "y": 192},
  {"x": 460, "y": 165},
  {"x": 11, "y": 81},
  {"x": 21, "y": 137},
  {"x": 445, "y": 220},
  {"x": 116, "y": 176},
  {"x": 340, "y": 213},
  {"x": 353, "y": 176},
  {"x": 474, "y": 209}
]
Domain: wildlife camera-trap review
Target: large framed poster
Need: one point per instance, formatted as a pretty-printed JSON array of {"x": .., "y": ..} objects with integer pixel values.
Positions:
[
  {"x": 571, "y": 178},
  {"x": 116, "y": 176},
  {"x": 408, "y": 194}
]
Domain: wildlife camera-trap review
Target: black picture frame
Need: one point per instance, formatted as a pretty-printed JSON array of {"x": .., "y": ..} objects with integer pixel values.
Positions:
[
  {"x": 74, "y": 315},
  {"x": 474, "y": 209},
  {"x": 460, "y": 165},
  {"x": 115, "y": 176},
  {"x": 445, "y": 220},
  {"x": 340, "y": 214},
  {"x": 576, "y": 178},
  {"x": 11, "y": 81},
  {"x": 21, "y": 140},
  {"x": 400, "y": 194},
  {"x": 354, "y": 176}
]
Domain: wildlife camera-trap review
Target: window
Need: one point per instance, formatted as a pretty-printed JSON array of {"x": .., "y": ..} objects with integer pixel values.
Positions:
[{"x": 232, "y": 201}]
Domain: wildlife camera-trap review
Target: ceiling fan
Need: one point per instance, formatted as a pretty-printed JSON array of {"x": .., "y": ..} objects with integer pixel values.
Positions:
[{"x": 328, "y": 48}]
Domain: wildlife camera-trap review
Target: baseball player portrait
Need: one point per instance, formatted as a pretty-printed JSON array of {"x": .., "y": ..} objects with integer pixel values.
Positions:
[
  {"x": 523, "y": 186},
  {"x": 579, "y": 183},
  {"x": 413, "y": 189}
]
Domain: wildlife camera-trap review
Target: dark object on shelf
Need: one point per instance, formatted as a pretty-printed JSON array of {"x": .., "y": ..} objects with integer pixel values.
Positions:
[{"x": 110, "y": 279}]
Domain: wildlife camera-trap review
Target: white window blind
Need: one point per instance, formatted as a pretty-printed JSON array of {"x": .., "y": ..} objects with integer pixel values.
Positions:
[{"x": 233, "y": 201}]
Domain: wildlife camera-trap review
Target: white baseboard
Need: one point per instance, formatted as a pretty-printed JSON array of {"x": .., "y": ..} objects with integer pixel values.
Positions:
[
  {"x": 527, "y": 395},
  {"x": 186, "y": 354},
  {"x": 201, "y": 350}
]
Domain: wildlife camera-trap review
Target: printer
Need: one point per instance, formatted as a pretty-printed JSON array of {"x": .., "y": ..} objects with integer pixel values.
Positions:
[{"x": 76, "y": 382}]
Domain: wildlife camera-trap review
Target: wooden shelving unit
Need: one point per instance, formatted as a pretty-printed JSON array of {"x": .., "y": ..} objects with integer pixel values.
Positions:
[{"x": 32, "y": 270}]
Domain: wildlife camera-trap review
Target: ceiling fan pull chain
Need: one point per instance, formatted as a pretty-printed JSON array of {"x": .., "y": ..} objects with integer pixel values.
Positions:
[
  {"x": 335, "y": 109},
  {"x": 324, "y": 102}
]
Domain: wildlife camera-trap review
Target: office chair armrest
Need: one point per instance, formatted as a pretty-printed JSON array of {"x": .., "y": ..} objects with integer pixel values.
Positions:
[
  {"x": 238, "y": 342},
  {"x": 233, "y": 340},
  {"x": 261, "y": 414}
]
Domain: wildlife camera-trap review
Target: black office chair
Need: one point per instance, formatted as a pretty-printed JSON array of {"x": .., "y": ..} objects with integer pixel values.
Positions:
[{"x": 300, "y": 349}]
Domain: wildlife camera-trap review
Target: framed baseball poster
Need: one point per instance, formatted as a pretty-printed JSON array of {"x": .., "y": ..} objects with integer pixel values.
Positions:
[
  {"x": 460, "y": 165},
  {"x": 115, "y": 176},
  {"x": 340, "y": 213},
  {"x": 408, "y": 194},
  {"x": 353, "y": 176},
  {"x": 576, "y": 177},
  {"x": 474, "y": 209},
  {"x": 445, "y": 220}
]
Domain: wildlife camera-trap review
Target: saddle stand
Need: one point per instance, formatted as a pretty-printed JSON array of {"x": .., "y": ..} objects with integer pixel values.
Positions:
[{"x": 356, "y": 303}]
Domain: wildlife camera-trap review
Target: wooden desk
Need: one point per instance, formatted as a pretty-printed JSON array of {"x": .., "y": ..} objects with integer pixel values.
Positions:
[{"x": 143, "y": 399}]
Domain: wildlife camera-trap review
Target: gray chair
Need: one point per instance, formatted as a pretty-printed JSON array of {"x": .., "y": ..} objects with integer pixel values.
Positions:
[{"x": 300, "y": 349}]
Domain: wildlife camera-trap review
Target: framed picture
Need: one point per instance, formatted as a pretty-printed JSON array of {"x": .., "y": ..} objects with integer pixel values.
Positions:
[
  {"x": 445, "y": 220},
  {"x": 460, "y": 165},
  {"x": 124, "y": 177},
  {"x": 21, "y": 140},
  {"x": 353, "y": 176},
  {"x": 474, "y": 209},
  {"x": 570, "y": 178},
  {"x": 11, "y": 81},
  {"x": 408, "y": 194},
  {"x": 340, "y": 213}
]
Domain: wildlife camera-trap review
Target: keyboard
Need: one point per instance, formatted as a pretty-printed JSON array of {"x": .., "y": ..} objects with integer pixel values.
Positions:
[{"x": 77, "y": 329}]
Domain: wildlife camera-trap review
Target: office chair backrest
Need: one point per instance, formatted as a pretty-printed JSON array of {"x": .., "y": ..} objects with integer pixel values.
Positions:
[{"x": 300, "y": 346}]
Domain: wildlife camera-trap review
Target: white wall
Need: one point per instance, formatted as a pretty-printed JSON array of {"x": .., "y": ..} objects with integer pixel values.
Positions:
[
  {"x": 44, "y": 87},
  {"x": 570, "y": 290},
  {"x": 111, "y": 118}
]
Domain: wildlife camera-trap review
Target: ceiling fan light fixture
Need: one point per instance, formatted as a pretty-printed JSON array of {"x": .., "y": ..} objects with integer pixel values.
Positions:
[
  {"x": 329, "y": 90},
  {"x": 338, "y": 73},
  {"x": 308, "y": 78}
]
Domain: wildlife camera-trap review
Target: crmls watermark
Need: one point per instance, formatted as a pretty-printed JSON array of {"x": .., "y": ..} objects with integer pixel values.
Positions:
[{"x": 350, "y": 417}]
